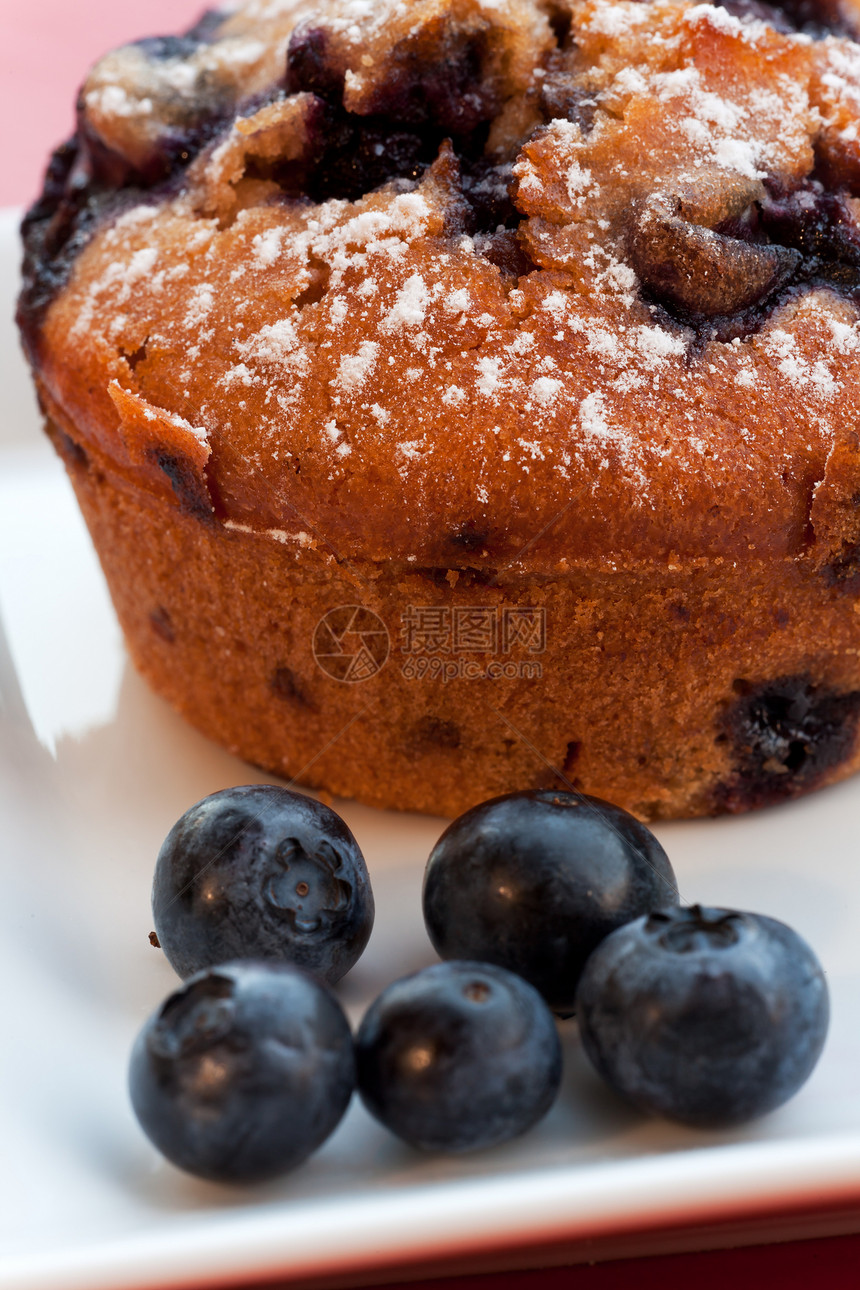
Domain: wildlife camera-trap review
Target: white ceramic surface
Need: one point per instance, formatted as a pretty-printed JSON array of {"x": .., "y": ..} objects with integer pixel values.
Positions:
[{"x": 94, "y": 770}]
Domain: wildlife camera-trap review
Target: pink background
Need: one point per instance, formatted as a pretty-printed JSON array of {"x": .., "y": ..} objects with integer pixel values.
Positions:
[{"x": 45, "y": 51}]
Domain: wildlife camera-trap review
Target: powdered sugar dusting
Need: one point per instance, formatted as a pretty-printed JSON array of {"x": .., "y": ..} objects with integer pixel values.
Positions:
[
  {"x": 545, "y": 389},
  {"x": 490, "y": 376},
  {"x": 592, "y": 415},
  {"x": 655, "y": 344},
  {"x": 354, "y": 369},
  {"x": 578, "y": 181},
  {"x": 410, "y": 307},
  {"x": 268, "y": 246},
  {"x": 200, "y": 433},
  {"x": 277, "y": 343},
  {"x": 384, "y": 338},
  {"x": 297, "y": 537},
  {"x": 812, "y": 377},
  {"x": 202, "y": 301}
]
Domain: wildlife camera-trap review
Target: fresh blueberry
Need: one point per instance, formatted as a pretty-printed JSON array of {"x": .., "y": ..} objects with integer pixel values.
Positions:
[
  {"x": 458, "y": 1057},
  {"x": 707, "y": 1016},
  {"x": 243, "y": 1072},
  {"x": 533, "y": 881},
  {"x": 262, "y": 873}
]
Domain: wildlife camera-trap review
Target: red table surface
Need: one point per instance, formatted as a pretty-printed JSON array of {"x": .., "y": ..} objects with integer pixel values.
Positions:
[{"x": 46, "y": 48}]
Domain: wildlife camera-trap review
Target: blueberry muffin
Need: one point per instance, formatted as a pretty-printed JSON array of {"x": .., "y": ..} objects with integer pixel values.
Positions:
[{"x": 463, "y": 395}]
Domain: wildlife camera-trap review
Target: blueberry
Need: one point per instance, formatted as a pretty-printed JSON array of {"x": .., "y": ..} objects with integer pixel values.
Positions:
[
  {"x": 707, "y": 1016},
  {"x": 758, "y": 242},
  {"x": 440, "y": 81},
  {"x": 437, "y": 80},
  {"x": 819, "y": 224},
  {"x": 262, "y": 873},
  {"x": 311, "y": 66},
  {"x": 816, "y": 18},
  {"x": 165, "y": 49},
  {"x": 243, "y": 1072},
  {"x": 487, "y": 189},
  {"x": 561, "y": 96},
  {"x": 785, "y": 734},
  {"x": 699, "y": 272},
  {"x": 188, "y": 488},
  {"x": 352, "y": 156},
  {"x": 506, "y": 252},
  {"x": 458, "y": 1057},
  {"x": 430, "y": 93},
  {"x": 533, "y": 881}
]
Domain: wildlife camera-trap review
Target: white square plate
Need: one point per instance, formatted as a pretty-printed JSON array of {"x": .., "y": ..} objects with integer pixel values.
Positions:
[{"x": 95, "y": 770}]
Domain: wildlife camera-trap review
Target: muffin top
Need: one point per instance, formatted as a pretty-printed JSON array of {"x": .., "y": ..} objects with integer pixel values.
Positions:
[{"x": 471, "y": 284}]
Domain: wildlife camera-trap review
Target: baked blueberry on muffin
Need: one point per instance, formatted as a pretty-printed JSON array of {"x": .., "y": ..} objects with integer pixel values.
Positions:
[{"x": 470, "y": 313}]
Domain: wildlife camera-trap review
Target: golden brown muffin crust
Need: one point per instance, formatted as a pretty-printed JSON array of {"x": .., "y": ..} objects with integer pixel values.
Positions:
[{"x": 330, "y": 353}]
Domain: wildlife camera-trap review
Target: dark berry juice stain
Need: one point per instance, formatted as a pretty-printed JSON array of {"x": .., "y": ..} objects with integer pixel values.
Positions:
[
  {"x": 504, "y": 249},
  {"x": 55, "y": 229},
  {"x": 306, "y": 887},
  {"x": 561, "y": 97},
  {"x": 433, "y": 732},
  {"x": 844, "y": 571},
  {"x": 397, "y": 138},
  {"x": 352, "y": 156},
  {"x": 74, "y": 456},
  {"x": 487, "y": 192},
  {"x": 285, "y": 685},
  {"x": 785, "y": 736},
  {"x": 818, "y": 224},
  {"x": 448, "y": 90},
  {"x": 469, "y": 538},
  {"x": 436, "y": 82},
  {"x": 162, "y": 624},
  {"x": 429, "y": 96},
  {"x": 84, "y": 187},
  {"x": 309, "y": 64}
]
